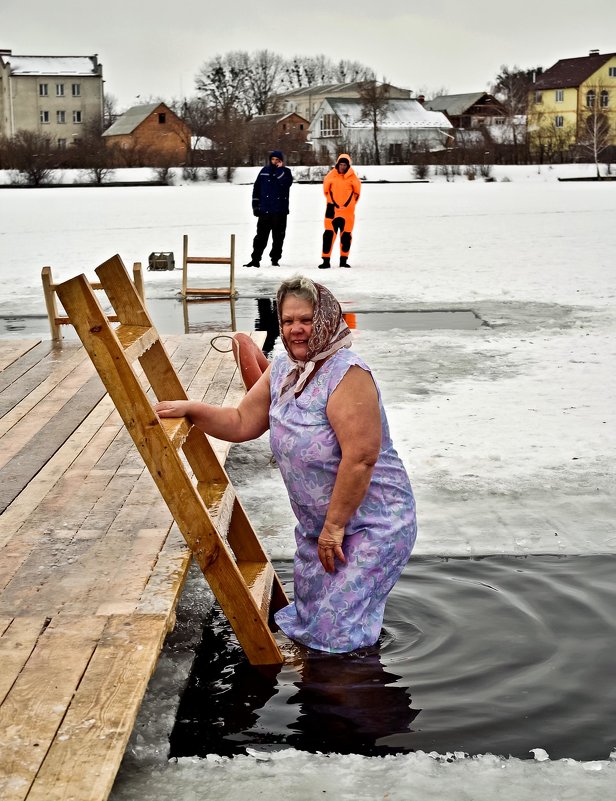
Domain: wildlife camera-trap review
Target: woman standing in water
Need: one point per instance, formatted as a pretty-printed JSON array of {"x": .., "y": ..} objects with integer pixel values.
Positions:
[{"x": 348, "y": 487}]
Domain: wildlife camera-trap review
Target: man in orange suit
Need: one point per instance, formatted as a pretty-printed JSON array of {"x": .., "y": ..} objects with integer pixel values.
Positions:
[{"x": 341, "y": 187}]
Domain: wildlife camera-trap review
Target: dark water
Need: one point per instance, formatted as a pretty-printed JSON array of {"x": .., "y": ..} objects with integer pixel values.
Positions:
[
  {"x": 493, "y": 655},
  {"x": 259, "y": 314},
  {"x": 173, "y": 316}
]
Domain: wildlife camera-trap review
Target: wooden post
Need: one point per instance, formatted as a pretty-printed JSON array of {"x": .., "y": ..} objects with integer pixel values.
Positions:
[
  {"x": 50, "y": 303},
  {"x": 138, "y": 280},
  {"x": 184, "y": 265},
  {"x": 232, "y": 267}
]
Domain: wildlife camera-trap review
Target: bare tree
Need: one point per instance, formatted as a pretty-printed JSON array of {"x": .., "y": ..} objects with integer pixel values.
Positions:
[
  {"x": 222, "y": 81},
  {"x": 110, "y": 110},
  {"x": 593, "y": 126},
  {"x": 94, "y": 155},
  {"x": 351, "y": 71},
  {"x": 32, "y": 154},
  {"x": 429, "y": 93},
  {"x": 304, "y": 71},
  {"x": 511, "y": 87},
  {"x": 374, "y": 98},
  {"x": 263, "y": 80}
]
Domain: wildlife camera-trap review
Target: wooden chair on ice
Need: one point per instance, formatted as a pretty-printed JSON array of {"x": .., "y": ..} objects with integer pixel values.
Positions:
[{"x": 208, "y": 512}]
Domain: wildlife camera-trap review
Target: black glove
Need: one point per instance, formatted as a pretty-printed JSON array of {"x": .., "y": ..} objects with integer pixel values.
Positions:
[{"x": 330, "y": 211}]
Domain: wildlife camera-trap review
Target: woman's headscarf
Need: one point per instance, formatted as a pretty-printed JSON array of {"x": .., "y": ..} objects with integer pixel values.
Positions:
[{"x": 329, "y": 333}]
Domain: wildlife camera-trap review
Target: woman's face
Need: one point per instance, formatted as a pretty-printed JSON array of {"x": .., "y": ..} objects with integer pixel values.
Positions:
[{"x": 296, "y": 314}]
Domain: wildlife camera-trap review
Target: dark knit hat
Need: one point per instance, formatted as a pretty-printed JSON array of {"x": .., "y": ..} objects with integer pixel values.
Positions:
[
  {"x": 277, "y": 154},
  {"x": 344, "y": 160}
]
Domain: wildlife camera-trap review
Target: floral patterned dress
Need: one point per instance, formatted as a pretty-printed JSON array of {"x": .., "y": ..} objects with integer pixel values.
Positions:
[{"x": 341, "y": 611}]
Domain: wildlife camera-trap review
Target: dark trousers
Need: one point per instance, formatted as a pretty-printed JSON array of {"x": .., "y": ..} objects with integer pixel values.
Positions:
[{"x": 266, "y": 223}]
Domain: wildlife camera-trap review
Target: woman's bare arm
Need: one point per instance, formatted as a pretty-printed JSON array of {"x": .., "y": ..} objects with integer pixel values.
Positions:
[
  {"x": 353, "y": 411},
  {"x": 234, "y": 424}
]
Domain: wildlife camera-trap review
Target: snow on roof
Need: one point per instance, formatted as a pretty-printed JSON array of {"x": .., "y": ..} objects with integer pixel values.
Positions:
[
  {"x": 53, "y": 65},
  {"x": 454, "y": 104},
  {"x": 401, "y": 113},
  {"x": 134, "y": 116}
]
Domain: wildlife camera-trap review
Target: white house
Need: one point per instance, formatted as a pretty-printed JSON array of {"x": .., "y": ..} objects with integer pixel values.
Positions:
[
  {"x": 339, "y": 125},
  {"x": 54, "y": 95}
]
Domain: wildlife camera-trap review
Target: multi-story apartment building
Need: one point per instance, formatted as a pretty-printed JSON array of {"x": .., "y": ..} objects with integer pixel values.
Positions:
[
  {"x": 54, "y": 95},
  {"x": 574, "y": 97}
]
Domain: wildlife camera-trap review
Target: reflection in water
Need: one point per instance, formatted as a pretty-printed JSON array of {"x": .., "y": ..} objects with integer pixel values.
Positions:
[
  {"x": 214, "y": 325},
  {"x": 342, "y": 703},
  {"x": 500, "y": 654},
  {"x": 267, "y": 320},
  {"x": 347, "y": 703}
]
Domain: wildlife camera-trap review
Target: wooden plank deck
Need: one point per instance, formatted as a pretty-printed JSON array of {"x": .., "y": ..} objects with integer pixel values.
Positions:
[{"x": 91, "y": 565}]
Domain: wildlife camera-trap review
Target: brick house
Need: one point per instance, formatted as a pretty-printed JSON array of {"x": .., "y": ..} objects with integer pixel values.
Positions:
[
  {"x": 287, "y": 132},
  {"x": 53, "y": 95},
  {"x": 149, "y": 135}
]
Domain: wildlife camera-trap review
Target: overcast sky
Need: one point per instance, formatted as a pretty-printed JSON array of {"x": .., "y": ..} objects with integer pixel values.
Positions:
[{"x": 155, "y": 48}]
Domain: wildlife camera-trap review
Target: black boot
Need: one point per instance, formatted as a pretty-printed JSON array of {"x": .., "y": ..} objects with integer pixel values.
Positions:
[
  {"x": 275, "y": 263},
  {"x": 343, "y": 261},
  {"x": 252, "y": 263},
  {"x": 325, "y": 265}
]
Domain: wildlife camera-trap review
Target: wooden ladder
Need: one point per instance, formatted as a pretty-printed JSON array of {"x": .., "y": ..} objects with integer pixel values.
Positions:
[
  {"x": 208, "y": 512},
  {"x": 225, "y": 292},
  {"x": 49, "y": 291}
]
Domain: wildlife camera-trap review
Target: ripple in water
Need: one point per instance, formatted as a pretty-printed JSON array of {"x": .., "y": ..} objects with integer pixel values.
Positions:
[{"x": 494, "y": 655}]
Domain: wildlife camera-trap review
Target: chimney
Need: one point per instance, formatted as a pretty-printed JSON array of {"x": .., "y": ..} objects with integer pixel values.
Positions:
[{"x": 593, "y": 53}]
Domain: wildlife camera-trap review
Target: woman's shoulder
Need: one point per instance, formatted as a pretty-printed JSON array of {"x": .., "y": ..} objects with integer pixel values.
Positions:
[{"x": 345, "y": 358}]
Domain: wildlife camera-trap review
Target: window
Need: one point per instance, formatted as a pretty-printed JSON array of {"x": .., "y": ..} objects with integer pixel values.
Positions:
[
  {"x": 538, "y": 96},
  {"x": 301, "y": 126},
  {"x": 44, "y": 117},
  {"x": 59, "y": 90},
  {"x": 61, "y": 117},
  {"x": 77, "y": 117},
  {"x": 330, "y": 125},
  {"x": 590, "y": 98},
  {"x": 612, "y": 72},
  {"x": 499, "y": 120},
  {"x": 395, "y": 153},
  {"x": 559, "y": 121},
  {"x": 43, "y": 89},
  {"x": 605, "y": 98},
  {"x": 162, "y": 118},
  {"x": 62, "y": 144},
  {"x": 76, "y": 89},
  {"x": 559, "y": 95}
]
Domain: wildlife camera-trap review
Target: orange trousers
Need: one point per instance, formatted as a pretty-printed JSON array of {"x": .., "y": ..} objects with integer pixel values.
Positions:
[{"x": 342, "y": 223}]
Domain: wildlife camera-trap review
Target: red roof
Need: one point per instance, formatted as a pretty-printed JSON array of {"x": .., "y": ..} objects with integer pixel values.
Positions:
[{"x": 570, "y": 72}]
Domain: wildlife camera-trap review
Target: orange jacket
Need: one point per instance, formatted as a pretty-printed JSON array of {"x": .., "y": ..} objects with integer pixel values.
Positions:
[{"x": 342, "y": 189}]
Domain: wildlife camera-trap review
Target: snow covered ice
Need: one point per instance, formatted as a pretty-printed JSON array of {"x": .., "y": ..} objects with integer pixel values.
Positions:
[{"x": 507, "y": 431}]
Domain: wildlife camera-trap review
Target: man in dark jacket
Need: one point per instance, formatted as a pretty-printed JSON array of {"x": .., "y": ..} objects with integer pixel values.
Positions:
[{"x": 270, "y": 204}]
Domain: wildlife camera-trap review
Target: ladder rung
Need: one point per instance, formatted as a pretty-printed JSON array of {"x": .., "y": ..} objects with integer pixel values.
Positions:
[
  {"x": 136, "y": 339},
  {"x": 177, "y": 429},
  {"x": 259, "y": 577},
  {"x": 219, "y": 500},
  {"x": 66, "y": 320},
  {"x": 208, "y": 260},
  {"x": 223, "y": 291}
]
